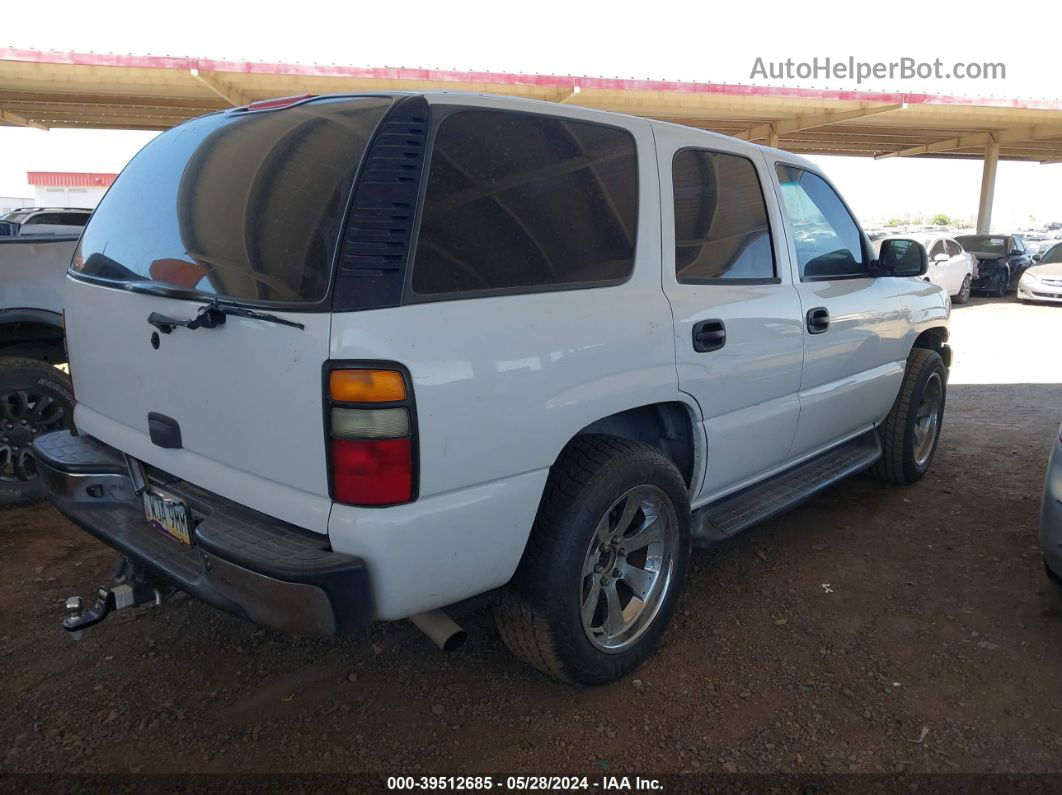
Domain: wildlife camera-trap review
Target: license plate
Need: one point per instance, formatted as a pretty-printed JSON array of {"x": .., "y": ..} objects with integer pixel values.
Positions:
[{"x": 168, "y": 515}]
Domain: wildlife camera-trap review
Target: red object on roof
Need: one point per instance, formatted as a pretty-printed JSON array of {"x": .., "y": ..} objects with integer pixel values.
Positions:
[{"x": 70, "y": 179}]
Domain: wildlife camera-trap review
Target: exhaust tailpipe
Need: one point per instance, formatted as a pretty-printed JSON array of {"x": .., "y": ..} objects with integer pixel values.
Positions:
[{"x": 443, "y": 630}]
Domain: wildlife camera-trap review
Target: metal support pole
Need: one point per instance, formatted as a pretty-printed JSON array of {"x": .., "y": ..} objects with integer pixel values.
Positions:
[{"x": 988, "y": 186}]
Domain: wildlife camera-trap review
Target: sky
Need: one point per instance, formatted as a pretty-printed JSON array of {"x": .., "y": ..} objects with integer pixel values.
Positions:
[{"x": 664, "y": 40}]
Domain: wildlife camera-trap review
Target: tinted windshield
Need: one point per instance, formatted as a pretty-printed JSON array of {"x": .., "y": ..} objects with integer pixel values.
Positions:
[
  {"x": 1053, "y": 254},
  {"x": 245, "y": 206},
  {"x": 984, "y": 244}
]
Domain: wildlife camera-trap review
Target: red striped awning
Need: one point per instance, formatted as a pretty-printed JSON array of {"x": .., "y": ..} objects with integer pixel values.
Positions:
[{"x": 70, "y": 179}]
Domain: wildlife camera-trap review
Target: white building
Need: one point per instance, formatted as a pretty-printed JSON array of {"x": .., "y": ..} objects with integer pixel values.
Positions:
[
  {"x": 69, "y": 188},
  {"x": 9, "y": 203}
]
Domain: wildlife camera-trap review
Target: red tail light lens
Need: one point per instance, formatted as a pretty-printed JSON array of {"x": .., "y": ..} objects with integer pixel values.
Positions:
[
  {"x": 372, "y": 431},
  {"x": 372, "y": 471}
]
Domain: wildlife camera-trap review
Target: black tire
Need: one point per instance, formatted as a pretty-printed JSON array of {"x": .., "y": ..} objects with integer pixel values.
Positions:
[
  {"x": 963, "y": 295},
  {"x": 538, "y": 613},
  {"x": 1000, "y": 283},
  {"x": 35, "y": 398},
  {"x": 899, "y": 462}
]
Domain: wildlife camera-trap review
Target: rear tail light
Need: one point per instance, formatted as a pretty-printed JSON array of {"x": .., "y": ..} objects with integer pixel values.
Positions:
[{"x": 371, "y": 431}]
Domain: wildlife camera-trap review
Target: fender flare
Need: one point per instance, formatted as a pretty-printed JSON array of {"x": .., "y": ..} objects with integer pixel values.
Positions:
[{"x": 26, "y": 315}]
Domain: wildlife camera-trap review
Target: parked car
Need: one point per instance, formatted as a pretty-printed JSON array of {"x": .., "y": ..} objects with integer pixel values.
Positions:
[
  {"x": 1001, "y": 260},
  {"x": 950, "y": 266},
  {"x": 1042, "y": 248},
  {"x": 547, "y": 349},
  {"x": 35, "y": 396},
  {"x": 44, "y": 221},
  {"x": 1043, "y": 281},
  {"x": 1051, "y": 514}
]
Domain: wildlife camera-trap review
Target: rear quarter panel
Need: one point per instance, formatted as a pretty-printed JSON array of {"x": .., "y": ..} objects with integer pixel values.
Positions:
[
  {"x": 501, "y": 384},
  {"x": 33, "y": 272}
]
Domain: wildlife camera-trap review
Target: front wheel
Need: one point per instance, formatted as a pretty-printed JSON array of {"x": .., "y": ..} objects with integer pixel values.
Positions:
[
  {"x": 999, "y": 284},
  {"x": 35, "y": 398},
  {"x": 605, "y": 563},
  {"x": 963, "y": 295},
  {"x": 910, "y": 433}
]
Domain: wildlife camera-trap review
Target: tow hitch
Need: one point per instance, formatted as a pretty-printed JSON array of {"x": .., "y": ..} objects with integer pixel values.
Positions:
[{"x": 133, "y": 587}]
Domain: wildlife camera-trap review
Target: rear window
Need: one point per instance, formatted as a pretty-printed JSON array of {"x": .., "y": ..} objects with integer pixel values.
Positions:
[
  {"x": 517, "y": 202},
  {"x": 241, "y": 206},
  {"x": 984, "y": 244},
  {"x": 721, "y": 228}
]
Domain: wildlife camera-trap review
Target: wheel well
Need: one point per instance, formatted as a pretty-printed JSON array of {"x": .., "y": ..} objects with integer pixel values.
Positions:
[
  {"x": 934, "y": 339},
  {"x": 33, "y": 341},
  {"x": 665, "y": 426}
]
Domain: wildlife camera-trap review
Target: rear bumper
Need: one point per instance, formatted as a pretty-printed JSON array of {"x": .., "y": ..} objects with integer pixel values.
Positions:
[{"x": 242, "y": 561}]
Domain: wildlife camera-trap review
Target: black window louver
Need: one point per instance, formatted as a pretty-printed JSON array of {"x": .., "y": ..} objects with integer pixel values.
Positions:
[{"x": 375, "y": 250}]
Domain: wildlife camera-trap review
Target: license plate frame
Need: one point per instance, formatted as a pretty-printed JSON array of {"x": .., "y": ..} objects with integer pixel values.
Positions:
[{"x": 168, "y": 515}]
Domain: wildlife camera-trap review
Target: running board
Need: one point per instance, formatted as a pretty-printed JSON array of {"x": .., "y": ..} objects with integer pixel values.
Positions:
[{"x": 736, "y": 512}]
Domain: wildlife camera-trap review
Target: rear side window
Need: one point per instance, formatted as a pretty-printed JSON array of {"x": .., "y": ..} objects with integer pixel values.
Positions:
[
  {"x": 827, "y": 239},
  {"x": 246, "y": 206},
  {"x": 721, "y": 228},
  {"x": 75, "y": 219},
  {"x": 45, "y": 218},
  {"x": 517, "y": 202}
]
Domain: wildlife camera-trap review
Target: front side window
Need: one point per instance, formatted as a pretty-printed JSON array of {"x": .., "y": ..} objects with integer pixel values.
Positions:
[
  {"x": 517, "y": 202},
  {"x": 721, "y": 228},
  {"x": 953, "y": 248},
  {"x": 827, "y": 239},
  {"x": 937, "y": 248}
]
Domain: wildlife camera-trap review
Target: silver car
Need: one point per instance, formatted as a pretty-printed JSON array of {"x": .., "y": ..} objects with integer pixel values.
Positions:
[
  {"x": 1051, "y": 514},
  {"x": 1043, "y": 281}
]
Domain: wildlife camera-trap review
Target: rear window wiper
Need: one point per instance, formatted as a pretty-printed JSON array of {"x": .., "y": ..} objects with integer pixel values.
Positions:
[{"x": 213, "y": 315}]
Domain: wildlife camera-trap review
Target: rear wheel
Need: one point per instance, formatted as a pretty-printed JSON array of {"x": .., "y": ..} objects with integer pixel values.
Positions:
[
  {"x": 963, "y": 295},
  {"x": 910, "y": 433},
  {"x": 35, "y": 398},
  {"x": 605, "y": 563}
]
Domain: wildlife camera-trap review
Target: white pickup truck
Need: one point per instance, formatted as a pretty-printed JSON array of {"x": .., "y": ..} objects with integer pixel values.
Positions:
[
  {"x": 352, "y": 358},
  {"x": 35, "y": 396}
]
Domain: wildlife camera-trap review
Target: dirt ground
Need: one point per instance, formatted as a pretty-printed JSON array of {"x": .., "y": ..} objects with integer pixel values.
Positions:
[{"x": 875, "y": 629}]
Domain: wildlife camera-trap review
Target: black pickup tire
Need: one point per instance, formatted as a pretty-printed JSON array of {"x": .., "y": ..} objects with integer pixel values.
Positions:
[
  {"x": 35, "y": 398},
  {"x": 910, "y": 433},
  {"x": 605, "y": 563}
]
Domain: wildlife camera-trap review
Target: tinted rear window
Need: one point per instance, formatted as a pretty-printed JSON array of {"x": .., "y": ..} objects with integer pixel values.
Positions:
[
  {"x": 721, "y": 228},
  {"x": 517, "y": 202},
  {"x": 243, "y": 206}
]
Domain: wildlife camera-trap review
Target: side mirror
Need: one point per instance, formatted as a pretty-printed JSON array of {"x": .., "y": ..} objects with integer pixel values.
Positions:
[
  {"x": 903, "y": 257},
  {"x": 941, "y": 258},
  {"x": 1037, "y": 257}
]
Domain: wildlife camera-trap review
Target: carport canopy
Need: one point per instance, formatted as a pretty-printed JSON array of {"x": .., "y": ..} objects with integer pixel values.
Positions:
[{"x": 47, "y": 90}]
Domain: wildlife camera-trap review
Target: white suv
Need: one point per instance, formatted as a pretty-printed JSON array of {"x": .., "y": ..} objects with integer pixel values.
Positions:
[{"x": 348, "y": 358}]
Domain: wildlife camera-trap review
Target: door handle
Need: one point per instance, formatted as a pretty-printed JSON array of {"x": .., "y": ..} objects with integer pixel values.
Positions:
[
  {"x": 709, "y": 335},
  {"x": 818, "y": 320}
]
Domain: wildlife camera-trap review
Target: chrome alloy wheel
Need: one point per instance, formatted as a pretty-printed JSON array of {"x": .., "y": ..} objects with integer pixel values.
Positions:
[
  {"x": 927, "y": 419},
  {"x": 628, "y": 568}
]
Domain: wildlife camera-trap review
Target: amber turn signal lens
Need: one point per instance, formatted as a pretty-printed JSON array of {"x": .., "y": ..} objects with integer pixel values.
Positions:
[{"x": 366, "y": 386}]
